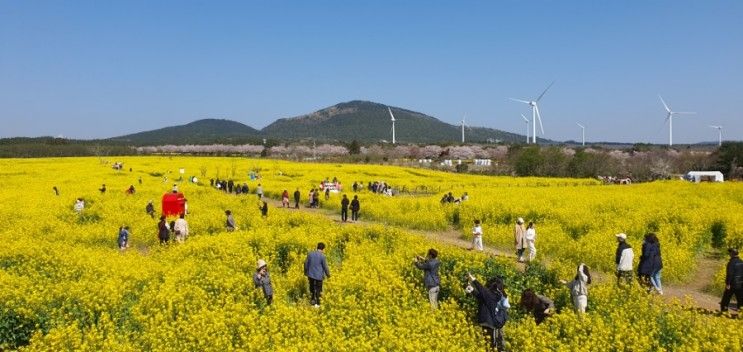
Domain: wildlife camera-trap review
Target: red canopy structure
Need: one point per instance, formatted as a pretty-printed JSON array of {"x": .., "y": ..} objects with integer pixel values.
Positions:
[{"x": 174, "y": 204}]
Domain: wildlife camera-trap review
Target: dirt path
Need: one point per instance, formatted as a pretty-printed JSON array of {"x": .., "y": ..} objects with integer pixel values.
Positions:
[{"x": 694, "y": 290}]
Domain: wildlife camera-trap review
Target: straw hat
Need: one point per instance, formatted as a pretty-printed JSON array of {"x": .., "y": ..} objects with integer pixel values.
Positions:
[{"x": 261, "y": 263}]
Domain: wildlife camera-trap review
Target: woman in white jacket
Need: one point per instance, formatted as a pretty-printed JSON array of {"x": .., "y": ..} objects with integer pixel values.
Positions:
[
  {"x": 579, "y": 288},
  {"x": 531, "y": 237}
]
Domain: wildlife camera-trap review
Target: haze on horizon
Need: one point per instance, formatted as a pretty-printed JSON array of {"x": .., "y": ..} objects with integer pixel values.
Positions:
[{"x": 90, "y": 69}]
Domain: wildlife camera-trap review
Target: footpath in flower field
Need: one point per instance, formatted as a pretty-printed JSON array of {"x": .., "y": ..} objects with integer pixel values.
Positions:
[{"x": 694, "y": 290}]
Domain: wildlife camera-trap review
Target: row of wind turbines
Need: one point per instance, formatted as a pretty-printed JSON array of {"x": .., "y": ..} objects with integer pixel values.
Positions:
[{"x": 537, "y": 118}]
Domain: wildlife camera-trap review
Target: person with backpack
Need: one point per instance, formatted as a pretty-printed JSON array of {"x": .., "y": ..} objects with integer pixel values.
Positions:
[
  {"x": 430, "y": 266},
  {"x": 579, "y": 288},
  {"x": 733, "y": 281},
  {"x": 344, "y": 208},
  {"x": 492, "y": 308},
  {"x": 262, "y": 279},
  {"x": 163, "y": 231},
  {"x": 355, "y": 207},
  {"x": 540, "y": 306},
  {"x": 650, "y": 264},
  {"x": 477, "y": 236}
]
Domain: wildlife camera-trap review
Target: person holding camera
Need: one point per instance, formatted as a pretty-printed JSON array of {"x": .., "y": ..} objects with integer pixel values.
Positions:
[
  {"x": 492, "y": 308},
  {"x": 430, "y": 266},
  {"x": 262, "y": 279}
]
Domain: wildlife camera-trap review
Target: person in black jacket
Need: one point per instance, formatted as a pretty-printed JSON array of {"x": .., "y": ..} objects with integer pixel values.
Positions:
[
  {"x": 296, "y": 198},
  {"x": 733, "y": 281},
  {"x": 492, "y": 305},
  {"x": 355, "y": 207},
  {"x": 650, "y": 264},
  {"x": 163, "y": 231},
  {"x": 344, "y": 208},
  {"x": 540, "y": 306}
]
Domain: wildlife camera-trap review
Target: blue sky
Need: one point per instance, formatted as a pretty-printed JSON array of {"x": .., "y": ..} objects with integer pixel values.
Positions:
[{"x": 88, "y": 69}]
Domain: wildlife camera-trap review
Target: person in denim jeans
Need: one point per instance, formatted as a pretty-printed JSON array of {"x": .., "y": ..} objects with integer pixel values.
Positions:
[{"x": 430, "y": 266}]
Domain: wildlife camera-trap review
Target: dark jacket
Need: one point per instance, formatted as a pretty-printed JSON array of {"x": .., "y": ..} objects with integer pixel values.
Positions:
[
  {"x": 344, "y": 203},
  {"x": 296, "y": 196},
  {"x": 543, "y": 304},
  {"x": 650, "y": 260},
  {"x": 163, "y": 232},
  {"x": 430, "y": 269},
  {"x": 487, "y": 302},
  {"x": 355, "y": 206},
  {"x": 734, "y": 273},
  {"x": 316, "y": 266}
]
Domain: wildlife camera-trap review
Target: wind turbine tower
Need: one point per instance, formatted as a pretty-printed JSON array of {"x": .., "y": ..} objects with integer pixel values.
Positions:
[
  {"x": 527, "y": 127},
  {"x": 392, "y": 118},
  {"x": 719, "y": 130},
  {"x": 582, "y": 134},
  {"x": 464, "y": 124},
  {"x": 669, "y": 117},
  {"x": 535, "y": 117}
]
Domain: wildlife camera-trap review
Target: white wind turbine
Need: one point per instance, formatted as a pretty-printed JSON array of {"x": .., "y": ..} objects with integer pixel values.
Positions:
[
  {"x": 464, "y": 124},
  {"x": 527, "y": 127},
  {"x": 535, "y": 117},
  {"x": 719, "y": 130},
  {"x": 669, "y": 118},
  {"x": 582, "y": 133},
  {"x": 392, "y": 118}
]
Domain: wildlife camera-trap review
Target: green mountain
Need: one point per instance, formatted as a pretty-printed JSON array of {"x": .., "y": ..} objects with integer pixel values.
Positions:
[
  {"x": 205, "y": 131},
  {"x": 370, "y": 122}
]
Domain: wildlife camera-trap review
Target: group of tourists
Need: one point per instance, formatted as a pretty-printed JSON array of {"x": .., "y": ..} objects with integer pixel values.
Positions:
[
  {"x": 355, "y": 206},
  {"x": 176, "y": 229},
  {"x": 449, "y": 198},
  {"x": 229, "y": 186}
]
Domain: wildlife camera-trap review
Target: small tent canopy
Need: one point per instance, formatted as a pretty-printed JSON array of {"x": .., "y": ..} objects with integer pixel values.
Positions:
[
  {"x": 704, "y": 176},
  {"x": 174, "y": 204}
]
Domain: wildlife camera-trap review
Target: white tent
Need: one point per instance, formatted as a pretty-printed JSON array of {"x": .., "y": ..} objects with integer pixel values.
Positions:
[{"x": 704, "y": 176}]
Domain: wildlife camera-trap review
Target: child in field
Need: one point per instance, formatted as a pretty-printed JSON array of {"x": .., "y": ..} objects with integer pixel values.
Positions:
[
  {"x": 477, "y": 236},
  {"x": 262, "y": 279}
]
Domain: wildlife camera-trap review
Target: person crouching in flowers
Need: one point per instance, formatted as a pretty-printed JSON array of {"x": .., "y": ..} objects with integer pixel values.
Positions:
[
  {"x": 492, "y": 310},
  {"x": 123, "y": 239},
  {"x": 540, "y": 306},
  {"x": 579, "y": 288},
  {"x": 430, "y": 266},
  {"x": 262, "y": 279}
]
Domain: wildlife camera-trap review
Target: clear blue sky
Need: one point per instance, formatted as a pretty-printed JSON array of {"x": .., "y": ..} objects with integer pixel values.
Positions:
[{"x": 88, "y": 69}]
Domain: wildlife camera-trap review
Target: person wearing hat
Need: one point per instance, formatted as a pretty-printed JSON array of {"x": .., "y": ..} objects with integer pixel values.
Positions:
[
  {"x": 262, "y": 279},
  {"x": 733, "y": 281},
  {"x": 518, "y": 238},
  {"x": 624, "y": 258}
]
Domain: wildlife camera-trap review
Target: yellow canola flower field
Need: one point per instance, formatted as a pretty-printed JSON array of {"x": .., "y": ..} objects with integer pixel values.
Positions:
[{"x": 66, "y": 286}]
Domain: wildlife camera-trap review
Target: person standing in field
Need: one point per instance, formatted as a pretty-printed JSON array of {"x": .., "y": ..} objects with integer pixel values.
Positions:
[
  {"x": 540, "y": 306},
  {"x": 519, "y": 236},
  {"x": 163, "y": 232},
  {"x": 285, "y": 199},
  {"x": 579, "y": 288},
  {"x": 230, "y": 223},
  {"x": 297, "y": 194},
  {"x": 477, "y": 236},
  {"x": 79, "y": 205},
  {"x": 733, "y": 282},
  {"x": 344, "y": 208},
  {"x": 531, "y": 238},
  {"x": 259, "y": 191},
  {"x": 103, "y": 188},
  {"x": 316, "y": 269},
  {"x": 262, "y": 279},
  {"x": 56, "y": 190},
  {"x": 650, "y": 264},
  {"x": 181, "y": 228},
  {"x": 327, "y": 192},
  {"x": 264, "y": 209},
  {"x": 123, "y": 239},
  {"x": 150, "y": 209},
  {"x": 624, "y": 258},
  {"x": 355, "y": 207},
  {"x": 492, "y": 310},
  {"x": 432, "y": 281}
]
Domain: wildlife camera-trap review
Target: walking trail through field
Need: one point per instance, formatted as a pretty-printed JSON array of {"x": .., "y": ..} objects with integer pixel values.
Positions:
[{"x": 694, "y": 290}]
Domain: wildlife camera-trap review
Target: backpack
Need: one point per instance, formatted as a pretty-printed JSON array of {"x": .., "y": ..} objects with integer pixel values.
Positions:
[{"x": 500, "y": 316}]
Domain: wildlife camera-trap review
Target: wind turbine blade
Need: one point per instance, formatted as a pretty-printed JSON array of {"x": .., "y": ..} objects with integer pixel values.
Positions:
[
  {"x": 579, "y": 125},
  {"x": 391, "y": 116},
  {"x": 524, "y": 117},
  {"x": 664, "y": 103},
  {"x": 684, "y": 112},
  {"x": 545, "y": 91},
  {"x": 539, "y": 119},
  {"x": 519, "y": 100}
]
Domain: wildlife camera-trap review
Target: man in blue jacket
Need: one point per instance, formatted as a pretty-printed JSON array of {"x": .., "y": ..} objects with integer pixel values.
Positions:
[{"x": 316, "y": 270}]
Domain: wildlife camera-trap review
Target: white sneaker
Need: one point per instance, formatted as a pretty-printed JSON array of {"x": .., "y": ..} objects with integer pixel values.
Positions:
[{"x": 316, "y": 306}]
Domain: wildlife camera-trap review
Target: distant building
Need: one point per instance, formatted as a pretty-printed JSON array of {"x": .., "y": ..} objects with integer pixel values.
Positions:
[{"x": 704, "y": 176}]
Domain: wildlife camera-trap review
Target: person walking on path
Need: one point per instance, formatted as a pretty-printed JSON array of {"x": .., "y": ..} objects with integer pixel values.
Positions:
[
  {"x": 123, "y": 239},
  {"x": 650, "y": 264},
  {"x": 56, "y": 190},
  {"x": 163, "y": 231},
  {"x": 316, "y": 270},
  {"x": 344, "y": 208},
  {"x": 259, "y": 191},
  {"x": 355, "y": 207},
  {"x": 264, "y": 209},
  {"x": 540, "y": 306},
  {"x": 181, "y": 228},
  {"x": 262, "y": 279},
  {"x": 327, "y": 193},
  {"x": 285, "y": 199},
  {"x": 150, "y": 209},
  {"x": 624, "y": 258},
  {"x": 733, "y": 282},
  {"x": 432, "y": 281},
  {"x": 531, "y": 238},
  {"x": 477, "y": 236},
  {"x": 297, "y": 194},
  {"x": 519, "y": 239},
  {"x": 579, "y": 288},
  {"x": 230, "y": 223},
  {"x": 492, "y": 309}
]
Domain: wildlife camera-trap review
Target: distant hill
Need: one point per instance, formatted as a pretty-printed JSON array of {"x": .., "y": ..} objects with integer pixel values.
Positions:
[
  {"x": 204, "y": 131},
  {"x": 370, "y": 122}
]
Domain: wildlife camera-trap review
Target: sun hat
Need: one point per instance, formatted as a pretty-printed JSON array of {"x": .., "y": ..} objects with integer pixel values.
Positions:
[
  {"x": 520, "y": 220},
  {"x": 261, "y": 263},
  {"x": 621, "y": 235}
]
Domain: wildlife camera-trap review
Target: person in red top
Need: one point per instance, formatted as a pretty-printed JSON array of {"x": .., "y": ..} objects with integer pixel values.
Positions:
[{"x": 285, "y": 199}]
